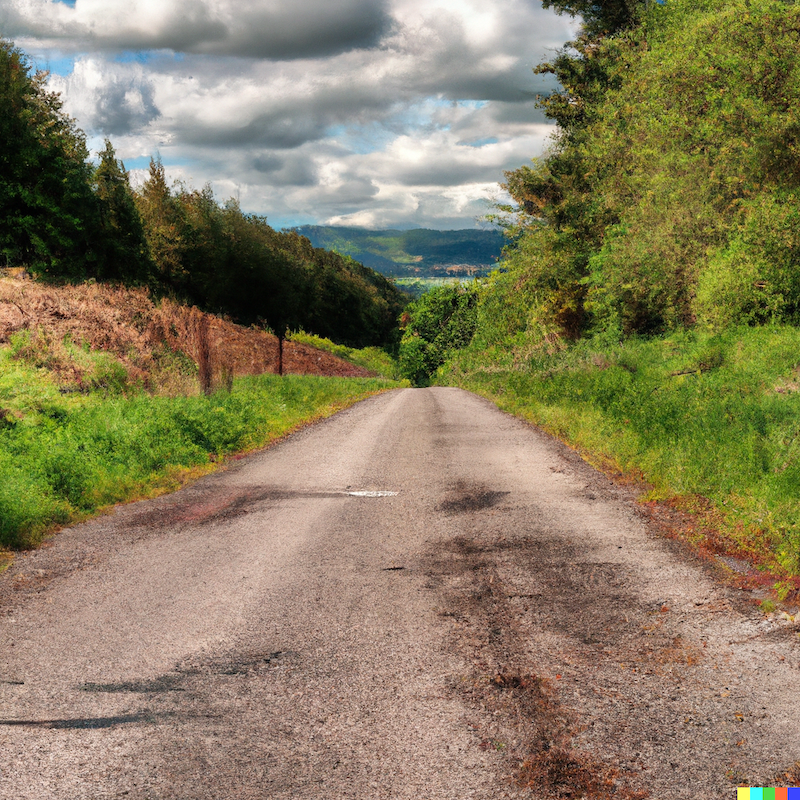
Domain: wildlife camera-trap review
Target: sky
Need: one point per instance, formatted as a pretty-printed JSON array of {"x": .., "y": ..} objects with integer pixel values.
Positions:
[{"x": 375, "y": 113}]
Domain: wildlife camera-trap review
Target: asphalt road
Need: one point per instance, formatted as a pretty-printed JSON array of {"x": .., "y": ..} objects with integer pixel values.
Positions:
[{"x": 418, "y": 598}]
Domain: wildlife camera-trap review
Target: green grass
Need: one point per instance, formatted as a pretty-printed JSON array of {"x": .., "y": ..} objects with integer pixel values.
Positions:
[
  {"x": 64, "y": 457},
  {"x": 696, "y": 415},
  {"x": 372, "y": 358}
]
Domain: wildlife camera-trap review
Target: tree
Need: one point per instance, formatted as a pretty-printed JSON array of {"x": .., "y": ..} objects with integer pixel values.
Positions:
[
  {"x": 600, "y": 17},
  {"x": 439, "y": 322},
  {"x": 49, "y": 216},
  {"x": 164, "y": 228},
  {"x": 126, "y": 256}
]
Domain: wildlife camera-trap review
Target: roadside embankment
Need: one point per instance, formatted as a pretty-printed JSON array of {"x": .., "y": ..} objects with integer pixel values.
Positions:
[
  {"x": 711, "y": 423},
  {"x": 107, "y": 396}
]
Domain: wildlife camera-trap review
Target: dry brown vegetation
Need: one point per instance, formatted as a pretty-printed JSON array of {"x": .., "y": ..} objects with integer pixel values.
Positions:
[{"x": 144, "y": 334}]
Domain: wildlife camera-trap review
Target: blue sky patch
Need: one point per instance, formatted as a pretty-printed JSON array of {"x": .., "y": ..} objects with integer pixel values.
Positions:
[
  {"x": 142, "y": 162},
  {"x": 133, "y": 57},
  {"x": 61, "y": 66}
]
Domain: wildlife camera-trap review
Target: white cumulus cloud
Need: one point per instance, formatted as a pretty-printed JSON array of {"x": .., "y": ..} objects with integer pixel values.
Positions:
[{"x": 380, "y": 112}]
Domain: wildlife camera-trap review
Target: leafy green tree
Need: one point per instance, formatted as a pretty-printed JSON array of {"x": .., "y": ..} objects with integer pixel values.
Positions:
[
  {"x": 346, "y": 301},
  {"x": 439, "y": 322},
  {"x": 49, "y": 216},
  {"x": 265, "y": 284},
  {"x": 165, "y": 228},
  {"x": 671, "y": 194},
  {"x": 126, "y": 256}
]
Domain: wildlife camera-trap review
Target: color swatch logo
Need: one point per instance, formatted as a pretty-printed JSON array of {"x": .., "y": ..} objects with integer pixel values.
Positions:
[{"x": 774, "y": 793}]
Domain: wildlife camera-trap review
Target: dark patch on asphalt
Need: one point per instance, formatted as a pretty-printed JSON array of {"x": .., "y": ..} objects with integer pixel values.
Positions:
[
  {"x": 82, "y": 723},
  {"x": 529, "y": 724},
  {"x": 463, "y": 498},
  {"x": 167, "y": 683},
  {"x": 249, "y": 665},
  {"x": 593, "y": 692},
  {"x": 219, "y": 506}
]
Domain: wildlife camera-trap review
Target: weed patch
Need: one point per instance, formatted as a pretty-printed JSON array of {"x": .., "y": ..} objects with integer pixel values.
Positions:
[{"x": 373, "y": 359}]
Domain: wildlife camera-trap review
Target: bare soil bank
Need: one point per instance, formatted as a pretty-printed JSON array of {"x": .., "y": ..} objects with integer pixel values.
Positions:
[{"x": 130, "y": 325}]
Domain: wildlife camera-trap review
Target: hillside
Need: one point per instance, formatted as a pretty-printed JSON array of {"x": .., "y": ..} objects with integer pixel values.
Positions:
[
  {"x": 413, "y": 253},
  {"x": 57, "y": 325},
  {"x": 107, "y": 396},
  {"x": 65, "y": 218}
]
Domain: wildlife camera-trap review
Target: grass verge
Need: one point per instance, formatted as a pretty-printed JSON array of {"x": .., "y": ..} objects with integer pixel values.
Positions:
[
  {"x": 710, "y": 422},
  {"x": 64, "y": 457},
  {"x": 372, "y": 358}
]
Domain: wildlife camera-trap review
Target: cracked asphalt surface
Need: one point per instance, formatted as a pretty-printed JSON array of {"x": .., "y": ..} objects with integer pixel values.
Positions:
[{"x": 506, "y": 625}]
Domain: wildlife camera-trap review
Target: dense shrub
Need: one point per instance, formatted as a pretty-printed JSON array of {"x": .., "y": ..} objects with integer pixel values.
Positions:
[{"x": 441, "y": 321}]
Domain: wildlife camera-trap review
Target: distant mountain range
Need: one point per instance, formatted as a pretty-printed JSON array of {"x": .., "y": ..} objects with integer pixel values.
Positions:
[{"x": 414, "y": 253}]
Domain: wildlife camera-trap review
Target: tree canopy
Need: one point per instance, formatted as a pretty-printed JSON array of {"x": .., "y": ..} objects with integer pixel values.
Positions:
[
  {"x": 439, "y": 322},
  {"x": 670, "y": 195},
  {"x": 48, "y": 212}
]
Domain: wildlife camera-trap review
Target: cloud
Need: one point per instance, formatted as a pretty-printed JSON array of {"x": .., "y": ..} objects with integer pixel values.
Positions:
[
  {"x": 284, "y": 171},
  {"x": 309, "y": 29},
  {"x": 110, "y": 102},
  {"x": 402, "y": 112},
  {"x": 271, "y": 29}
]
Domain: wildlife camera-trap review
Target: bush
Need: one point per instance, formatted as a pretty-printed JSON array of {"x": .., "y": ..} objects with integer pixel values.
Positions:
[{"x": 439, "y": 322}]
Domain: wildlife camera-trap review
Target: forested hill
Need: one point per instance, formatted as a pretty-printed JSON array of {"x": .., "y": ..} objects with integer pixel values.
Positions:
[
  {"x": 413, "y": 253},
  {"x": 64, "y": 219}
]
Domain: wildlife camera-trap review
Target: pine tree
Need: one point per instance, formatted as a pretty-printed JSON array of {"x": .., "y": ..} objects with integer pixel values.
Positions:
[
  {"x": 126, "y": 256},
  {"x": 49, "y": 216},
  {"x": 164, "y": 227}
]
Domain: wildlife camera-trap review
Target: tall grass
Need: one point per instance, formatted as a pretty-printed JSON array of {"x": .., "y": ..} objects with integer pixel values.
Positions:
[
  {"x": 64, "y": 456},
  {"x": 372, "y": 358},
  {"x": 697, "y": 415}
]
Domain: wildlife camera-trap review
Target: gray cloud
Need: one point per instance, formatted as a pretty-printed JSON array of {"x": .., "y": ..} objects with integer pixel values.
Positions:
[
  {"x": 382, "y": 112},
  {"x": 282, "y": 171},
  {"x": 269, "y": 29},
  {"x": 125, "y": 106},
  {"x": 447, "y": 173},
  {"x": 280, "y": 131},
  {"x": 311, "y": 29},
  {"x": 181, "y": 25}
]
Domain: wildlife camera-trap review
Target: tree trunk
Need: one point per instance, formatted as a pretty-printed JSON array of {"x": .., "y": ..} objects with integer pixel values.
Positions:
[
  {"x": 280, "y": 355},
  {"x": 203, "y": 353}
]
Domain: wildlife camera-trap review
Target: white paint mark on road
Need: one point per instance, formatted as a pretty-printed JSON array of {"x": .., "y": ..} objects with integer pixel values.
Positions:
[{"x": 373, "y": 494}]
